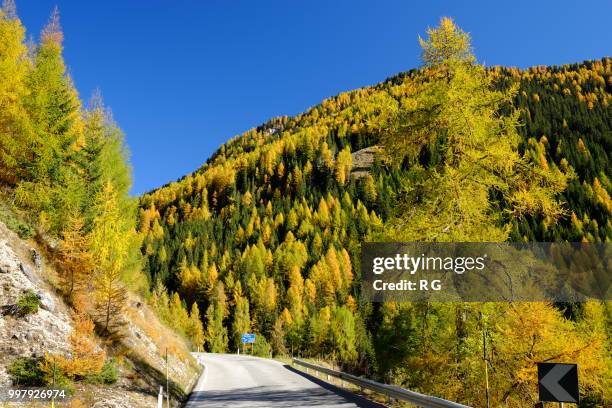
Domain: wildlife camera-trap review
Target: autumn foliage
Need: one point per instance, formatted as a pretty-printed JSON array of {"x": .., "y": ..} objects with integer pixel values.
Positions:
[{"x": 265, "y": 236}]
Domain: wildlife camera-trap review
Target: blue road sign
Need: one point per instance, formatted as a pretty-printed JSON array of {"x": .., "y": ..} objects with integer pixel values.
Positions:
[{"x": 248, "y": 338}]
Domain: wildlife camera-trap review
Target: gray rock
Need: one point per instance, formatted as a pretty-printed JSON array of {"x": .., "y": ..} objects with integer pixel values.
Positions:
[
  {"x": 46, "y": 302},
  {"x": 36, "y": 258},
  {"x": 28, "y": 272}
]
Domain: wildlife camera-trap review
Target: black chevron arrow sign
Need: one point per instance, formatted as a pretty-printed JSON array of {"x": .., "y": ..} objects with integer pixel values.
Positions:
[{"x": 558, "y": 382}]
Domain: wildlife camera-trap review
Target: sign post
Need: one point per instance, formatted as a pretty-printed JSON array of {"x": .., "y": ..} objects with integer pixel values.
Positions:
[
  {"x": 167, "y": 382},
  {"x": 558, "y": 383},
  {"x": 160, "y": 397}
]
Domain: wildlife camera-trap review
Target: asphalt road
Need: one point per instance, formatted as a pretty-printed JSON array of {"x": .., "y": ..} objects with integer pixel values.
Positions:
[{"x": 230, "y": 380}]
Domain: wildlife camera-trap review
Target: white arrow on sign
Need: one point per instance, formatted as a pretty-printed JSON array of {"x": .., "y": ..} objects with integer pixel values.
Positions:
[{"x": 551, "y": 382}]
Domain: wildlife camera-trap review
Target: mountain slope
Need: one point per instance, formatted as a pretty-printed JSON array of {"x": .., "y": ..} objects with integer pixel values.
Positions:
[
  {"x": 138, "y": 356},
  {"x": 265, "y": 236},
  {"x": 567, "y": 118}
]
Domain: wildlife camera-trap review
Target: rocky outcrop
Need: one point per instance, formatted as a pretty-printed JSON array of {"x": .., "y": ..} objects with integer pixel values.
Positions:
[
  {"x": 363, "y": 160},
  {"x": 32, "y": 335},
  {"x": 141, "y": 349}
]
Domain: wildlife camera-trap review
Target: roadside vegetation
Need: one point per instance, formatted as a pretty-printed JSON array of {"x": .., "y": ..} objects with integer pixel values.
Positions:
[{"x": 64, "y": 184}]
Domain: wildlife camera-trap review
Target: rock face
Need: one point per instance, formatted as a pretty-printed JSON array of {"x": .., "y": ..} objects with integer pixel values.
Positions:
[
  {"x": 143, "y": 345},
  {"x": 363, "y": 160},
  {"x": 46, "y": 302},
  {"x": 44, "y": 331}
]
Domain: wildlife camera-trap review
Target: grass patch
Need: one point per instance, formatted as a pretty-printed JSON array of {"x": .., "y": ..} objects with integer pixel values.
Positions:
[
  {"x": 27, "y": 372},
  {"x": 12, "y": 222},
  {"x": 108, "y": 376},
  {"x": 28, "y": 303},
  {"x": 36, "y": 372}
]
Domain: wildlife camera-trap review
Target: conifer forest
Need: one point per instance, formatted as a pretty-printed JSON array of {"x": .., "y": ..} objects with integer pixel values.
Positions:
[{"x": 265, "y": 237}]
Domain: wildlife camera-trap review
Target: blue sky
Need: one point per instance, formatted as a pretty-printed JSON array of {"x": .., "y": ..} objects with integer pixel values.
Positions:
[{"x": 183, "y": 76}]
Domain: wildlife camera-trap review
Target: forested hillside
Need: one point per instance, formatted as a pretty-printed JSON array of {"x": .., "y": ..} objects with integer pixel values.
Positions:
[
  {"x": 265, "y": 237},
  {"x": 64, "y": 183}
]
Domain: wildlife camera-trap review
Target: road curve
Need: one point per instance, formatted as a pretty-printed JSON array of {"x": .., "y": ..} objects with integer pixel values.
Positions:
[{"x": 231, "y": 380}]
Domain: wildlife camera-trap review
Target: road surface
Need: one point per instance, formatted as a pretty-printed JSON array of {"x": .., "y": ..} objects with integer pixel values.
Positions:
[{"x": 231, "y": 380}]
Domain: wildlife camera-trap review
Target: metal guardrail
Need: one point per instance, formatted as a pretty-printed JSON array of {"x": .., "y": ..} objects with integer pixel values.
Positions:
[{"x": 391, "y": 391}]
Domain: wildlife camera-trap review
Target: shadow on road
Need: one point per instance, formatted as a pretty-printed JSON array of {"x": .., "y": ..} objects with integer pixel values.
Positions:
[
  {"x": 349, "y": 396},
  {"x": 266, "y": 397}
]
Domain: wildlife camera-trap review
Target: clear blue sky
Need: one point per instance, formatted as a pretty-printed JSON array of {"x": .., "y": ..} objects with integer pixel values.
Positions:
[{"x": 184, "y": 76}]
